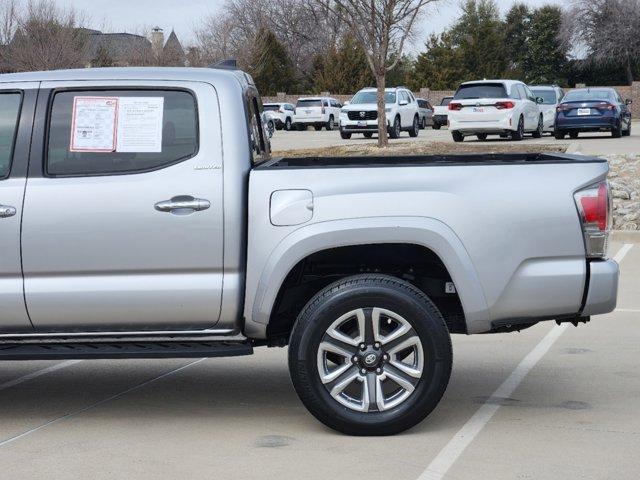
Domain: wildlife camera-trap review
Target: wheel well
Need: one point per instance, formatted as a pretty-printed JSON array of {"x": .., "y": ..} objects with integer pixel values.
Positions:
[{"x": 416, "y": 264}]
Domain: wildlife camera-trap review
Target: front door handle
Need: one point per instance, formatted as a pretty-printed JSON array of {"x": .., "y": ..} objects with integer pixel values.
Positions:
[
  {"x": 7, "y": 211},
  {"x": 183, "y": 205}
]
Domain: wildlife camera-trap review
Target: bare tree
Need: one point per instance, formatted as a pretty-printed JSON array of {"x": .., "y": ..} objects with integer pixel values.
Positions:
[
  {"x": 607, "y": 30},
  {"x": 303, "y": 27},
  {"x": 42, "y": 37},
  {"x": 382, "y": 28}
]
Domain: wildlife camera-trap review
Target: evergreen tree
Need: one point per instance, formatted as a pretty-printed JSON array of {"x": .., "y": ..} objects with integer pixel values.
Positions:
[
  {"x": 517, "y": 31},
  {"x": 342, "y": 69},
  {"x": 480, "y": 38},
  {"x": 271, "y": 67},
  {"x": 546, "y": 58},
  {"x": 438, "y": 67}
]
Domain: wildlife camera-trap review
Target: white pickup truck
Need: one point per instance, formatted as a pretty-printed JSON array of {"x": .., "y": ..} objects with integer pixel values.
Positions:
[{"x": 143, "y": 217}]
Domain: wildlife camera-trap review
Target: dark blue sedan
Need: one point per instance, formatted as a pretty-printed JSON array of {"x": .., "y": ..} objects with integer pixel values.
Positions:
[{"x": 593, "y": 110}]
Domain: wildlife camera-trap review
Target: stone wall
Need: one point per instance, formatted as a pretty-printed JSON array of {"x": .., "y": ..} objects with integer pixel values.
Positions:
[
  {"x": 624, "y": 177},
  {"x": 434, "y": 96}
]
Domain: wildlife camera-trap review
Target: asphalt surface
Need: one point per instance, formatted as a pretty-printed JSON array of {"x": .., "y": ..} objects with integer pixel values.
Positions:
[
  {"x": 573, "y": 413},
  {"x": 587, "y": 143}
]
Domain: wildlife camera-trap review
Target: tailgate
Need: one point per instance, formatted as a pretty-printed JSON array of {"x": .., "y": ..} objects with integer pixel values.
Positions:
[{"x": 480, "y": 110}]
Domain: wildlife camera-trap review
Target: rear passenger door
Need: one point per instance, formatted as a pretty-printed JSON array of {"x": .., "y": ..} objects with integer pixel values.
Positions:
[
  {"x": 17, "y": 104},
  {"x": 123, "y": 222}
]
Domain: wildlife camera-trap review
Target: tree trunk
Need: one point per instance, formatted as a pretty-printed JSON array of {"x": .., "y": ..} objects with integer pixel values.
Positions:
[
  {"x": 383, "y": 140},
  {"x": 629, "y": 72}
]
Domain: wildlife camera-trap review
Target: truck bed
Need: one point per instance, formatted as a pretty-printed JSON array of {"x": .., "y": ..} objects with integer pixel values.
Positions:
[{"x": 428, "y": 160}]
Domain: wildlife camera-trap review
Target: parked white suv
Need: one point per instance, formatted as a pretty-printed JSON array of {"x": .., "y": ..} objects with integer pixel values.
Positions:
[
  {"x": 494, "y": 107},
  {"x": 283, "y": 114},
  {"x": 551, "y": 96},
  {"x": 361, "y": 115},
  {"x": 317, "y": 112}
]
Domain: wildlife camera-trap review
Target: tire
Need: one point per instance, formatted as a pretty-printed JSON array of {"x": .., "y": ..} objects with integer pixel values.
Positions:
[
  {"x": 330, "y": 124},
  {"x": 537, "y": 133},
  {"x": 345, "y": 135},
  {"x": 301, "y": 127},
  {"x": 518, "y": 134},
  {"x": 415, "y": 128},
  {"x": 271, "y": 127},
  {"x": 368, "y": 135},
  {"x": 627, "y": 132},
  {"x": 317, "y": 128},
  {"x": 423, "y": 123},
  {"x": 616, "y": 132},
  {"x": 457, "y": 136},
  {"x": 482, "y": 136},
  {"x": 559, "y": 134},
  {"x": 311, "y": 356},
  {"x": 573, "y": 135},
  {"x": 287, "y": 124},
  {"x": 436, "y": 126},
  {"x": 394, "y": 132}
]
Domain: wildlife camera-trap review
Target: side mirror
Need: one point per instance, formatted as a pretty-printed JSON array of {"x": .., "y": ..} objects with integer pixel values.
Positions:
[
  {"x": 628, "y": 101},
  {"x": 539, "y": 100},
  {"x": 403, "y": 103}
]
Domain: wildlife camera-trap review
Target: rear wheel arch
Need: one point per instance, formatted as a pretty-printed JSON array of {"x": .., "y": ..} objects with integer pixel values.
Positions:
[{"x": 264, "y": 286}]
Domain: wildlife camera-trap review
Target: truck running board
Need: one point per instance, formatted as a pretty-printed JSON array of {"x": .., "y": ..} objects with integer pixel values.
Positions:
[{"x": 128, "y": 349}]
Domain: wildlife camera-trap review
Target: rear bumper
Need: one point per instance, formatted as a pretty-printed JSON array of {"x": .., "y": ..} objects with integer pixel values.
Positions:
[
  {"x": 592, "y": 124},
  {"x": 602, "y": 291},
  {"x": 310, "y": 120},
  {"x": 490, "y": 126},
  {"x": 440, "y": 119}
]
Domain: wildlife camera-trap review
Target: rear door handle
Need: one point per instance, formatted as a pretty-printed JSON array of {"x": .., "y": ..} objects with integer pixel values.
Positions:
[
  {"x": 183, "y": 205},
  {"x": 7, "y": 211}
]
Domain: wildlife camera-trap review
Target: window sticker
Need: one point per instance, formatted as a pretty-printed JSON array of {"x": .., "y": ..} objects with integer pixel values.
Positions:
[
  {"x": 139, "y": 125},
  {"x": 94, "y": 124}
]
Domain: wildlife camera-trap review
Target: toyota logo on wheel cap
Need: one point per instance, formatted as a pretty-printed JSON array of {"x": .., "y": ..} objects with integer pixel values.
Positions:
[{"x": 370, "y": 359}]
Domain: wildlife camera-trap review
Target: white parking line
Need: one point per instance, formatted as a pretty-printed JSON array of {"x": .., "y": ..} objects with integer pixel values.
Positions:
[
  {"x": 628, "y": 310},
  {"x": 38, "y": 373},
  {"x": 623, "y": 252},
  {"x": 97, "y": 404},
  {"x": 441, "y": 464}
]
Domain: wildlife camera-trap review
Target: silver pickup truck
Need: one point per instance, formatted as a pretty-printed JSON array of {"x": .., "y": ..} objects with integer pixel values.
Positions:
[{"x": 142, "y": 216}]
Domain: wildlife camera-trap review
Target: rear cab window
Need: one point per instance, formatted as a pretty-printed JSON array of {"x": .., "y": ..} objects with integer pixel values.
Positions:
[
  {"x": 9, "y": 118},
  {"x": 481, "y": 90},
  {"x": 103, "y": 132},
  {"x": 305, "y": 103}
]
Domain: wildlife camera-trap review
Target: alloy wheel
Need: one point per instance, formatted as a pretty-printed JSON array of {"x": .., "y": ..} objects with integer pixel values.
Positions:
[{"x": 370, "y": 359}]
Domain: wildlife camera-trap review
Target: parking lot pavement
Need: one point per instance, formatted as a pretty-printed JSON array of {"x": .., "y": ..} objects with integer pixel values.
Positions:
[
  {"x": 576, "y": 414},
  {"x": 587, "y": 143}
]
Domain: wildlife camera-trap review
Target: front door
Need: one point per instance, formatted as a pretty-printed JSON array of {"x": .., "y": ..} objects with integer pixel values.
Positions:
[
  {"x": 123, "y": 222},
  {"x": 17, "y": 104}
]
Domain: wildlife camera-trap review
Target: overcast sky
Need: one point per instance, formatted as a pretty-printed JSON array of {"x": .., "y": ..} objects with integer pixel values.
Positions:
[{"x": 182, "y": 15}]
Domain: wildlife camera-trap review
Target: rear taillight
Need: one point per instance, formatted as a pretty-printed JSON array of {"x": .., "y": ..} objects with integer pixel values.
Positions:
[
  {"x": 563, "y": 108},
  {"x": 455, "y": 106},
  {"x": 504, "y": 105},
  {"x": 605, "y": 106},
  {"x": 594, "y": 208}
]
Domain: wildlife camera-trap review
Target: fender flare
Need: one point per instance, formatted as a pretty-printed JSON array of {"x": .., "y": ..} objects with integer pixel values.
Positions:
[{"x": 428, "y": 232}]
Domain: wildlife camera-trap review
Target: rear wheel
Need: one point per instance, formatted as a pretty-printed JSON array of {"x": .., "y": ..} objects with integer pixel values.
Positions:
[
  {"x": 627, "y": 132},
  {"x": 370, "y": 355},
  {"x": 317, "y": 128},
  {"x": 330, "y": 124},
  {"x": 574, "y": 135},
  {"x": 616, "y": 132},
  {"x": 345, "y": 135},
  {"x": 538, "y": 131},
  {"x": 395, "y": 130},
  {"x": 287, "y": 124},
  {"x": 415, "y": 128},
  {"x": 518, "y": 134},
  {"x": 457, "y": 136},
  {"x": 559, "y": 134},
  {"x": 482, "y": 136},
  {"x": 368, "y": 135}
]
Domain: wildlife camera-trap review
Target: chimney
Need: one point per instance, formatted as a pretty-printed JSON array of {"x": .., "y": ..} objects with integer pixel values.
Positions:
[{"x": 157, "y": 40}]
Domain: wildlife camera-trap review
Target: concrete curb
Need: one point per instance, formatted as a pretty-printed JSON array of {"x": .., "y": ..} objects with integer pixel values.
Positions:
[{"x": 626, "y": 236}]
